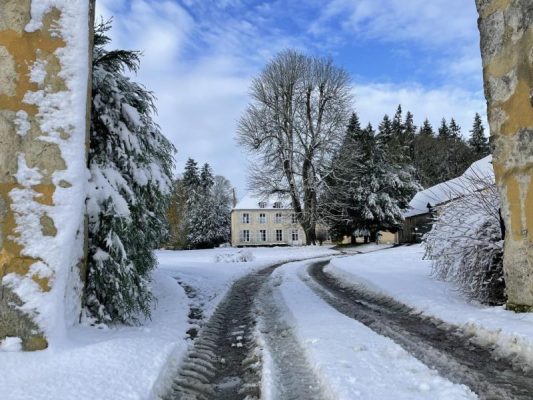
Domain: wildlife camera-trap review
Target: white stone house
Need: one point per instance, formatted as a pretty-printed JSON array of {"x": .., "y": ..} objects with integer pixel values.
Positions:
[{"x": 265, "y": 222}]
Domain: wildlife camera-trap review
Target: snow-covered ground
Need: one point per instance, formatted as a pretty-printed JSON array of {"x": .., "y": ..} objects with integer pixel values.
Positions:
[
  {"x": 134, "y": 362},
  {"x": 104, "y": 364},
  {"x": 211, "y": 280},
  {"x": 350, "y": 360},
  {"x": 402, "y": 274}
]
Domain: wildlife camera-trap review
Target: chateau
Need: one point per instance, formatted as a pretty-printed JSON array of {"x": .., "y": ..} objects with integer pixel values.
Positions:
[{"x": 265, "y": 222}]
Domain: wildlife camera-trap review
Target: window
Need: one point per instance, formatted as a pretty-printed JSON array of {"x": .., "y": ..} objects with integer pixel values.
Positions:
[
  {"x": 262, "y": 218},
  {"x": 262, "y": 204},
  {"x": 278, "y": 218},
  {"x": 294, "y": 219},
  {"x": 295, "y": 235},
  {"x": 277, "y": 204},
  {"x": 279, "y": 235},
  {"x": 262, "y": 235},
  {"x": 245, "y": 218},
  {"x": 245, "y": 236}
]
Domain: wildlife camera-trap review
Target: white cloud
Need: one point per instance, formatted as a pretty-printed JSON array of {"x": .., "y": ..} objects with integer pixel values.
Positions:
[{"x": 431, "y": 22}]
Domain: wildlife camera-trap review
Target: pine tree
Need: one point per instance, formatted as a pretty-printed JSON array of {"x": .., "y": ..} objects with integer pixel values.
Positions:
[
  {"x": 131, "y": 163},
  {"x": 454, "y": 130},
  {"x": 426, "y": 155},
  {"x": 426, "y": 129},
  {"x": 409, "y": 133},
  {"x": 208, "y": 206},
  {"x": 368, "y": 188},
  {"x": 191, "y": 177},
  {"x": 478, "y": 142},
  {"x": 346, "y": 165},
  {"x": 444, "y": 130},
  {"x": 385, "y": 133},
  {"x": 397, "y": 123}
]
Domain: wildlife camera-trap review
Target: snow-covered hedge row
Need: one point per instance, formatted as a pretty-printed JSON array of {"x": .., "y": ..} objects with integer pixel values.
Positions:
[
  {"x": 466, "y": 243},
  {"x": 239, "y": 256}
]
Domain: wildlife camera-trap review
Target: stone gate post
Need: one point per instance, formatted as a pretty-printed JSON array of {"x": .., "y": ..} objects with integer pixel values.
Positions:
[
  {"x": 44, "y": 81},
  {"x": 506, "y": 28}
]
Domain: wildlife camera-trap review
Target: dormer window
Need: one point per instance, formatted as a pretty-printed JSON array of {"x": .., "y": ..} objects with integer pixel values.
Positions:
[
  {"x": 277, "y": 204},
  {"x": 262, "y": 204}
]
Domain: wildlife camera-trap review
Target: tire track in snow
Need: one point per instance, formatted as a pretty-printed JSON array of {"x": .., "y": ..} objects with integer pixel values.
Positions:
[
  {"x": 437, "y": 344},
  {"x": 294, "y": 378},
  {"x": 224, "y": 362}
]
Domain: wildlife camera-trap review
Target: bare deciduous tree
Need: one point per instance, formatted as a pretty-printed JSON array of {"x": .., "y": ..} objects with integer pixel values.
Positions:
[{"x": 298, "y": 113}]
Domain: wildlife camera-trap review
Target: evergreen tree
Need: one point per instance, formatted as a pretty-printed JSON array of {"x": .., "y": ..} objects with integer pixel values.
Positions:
[
  {"x": 444, "y": 130},
  {"x": 426, "y": 129},
  {"x": 454, "y": 130},
  {"x": 426, "y": 159},
  {"x": 369, "y": 187},
  {"x": 385, "y": 133},
  {"x": 191, "y": 177},
  {"x": 130, "y": 163},
  {"x": 397, "y": 124},
  {"x": 409, "y": 133},
  {"x": 346, "y": 165},
  {"x": 206, "y": 178},
  {"x": 223, "y": 200},
  {"x": 478, "y": 142},
  {"x": 208, "y": 206}
]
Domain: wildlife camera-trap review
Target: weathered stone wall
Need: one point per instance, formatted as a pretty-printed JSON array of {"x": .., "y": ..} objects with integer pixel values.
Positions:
[
  {"x": 506, "y": 28},
  {"x": 30, "y": 64}
]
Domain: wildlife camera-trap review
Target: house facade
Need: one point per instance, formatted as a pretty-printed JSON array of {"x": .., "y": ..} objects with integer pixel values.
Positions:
[{"x": 265, "y": 222}]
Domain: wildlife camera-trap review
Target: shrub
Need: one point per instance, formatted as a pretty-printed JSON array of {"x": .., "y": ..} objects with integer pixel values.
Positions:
[
  {"x": 239, "y": 256},
  {"x": 466, "y": 244}
]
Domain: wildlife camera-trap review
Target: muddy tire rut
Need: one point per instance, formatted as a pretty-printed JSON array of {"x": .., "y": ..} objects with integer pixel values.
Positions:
[{"x": 446, "y": 348}]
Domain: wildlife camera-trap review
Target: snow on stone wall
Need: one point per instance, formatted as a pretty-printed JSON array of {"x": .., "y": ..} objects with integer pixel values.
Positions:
[{"x": 43, "y": 127}]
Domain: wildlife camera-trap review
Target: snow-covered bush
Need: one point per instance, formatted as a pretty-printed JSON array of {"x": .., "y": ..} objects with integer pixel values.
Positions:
[
  {"x": 239, "y": 256},
  {"x": 131, "y": 163},
  {"x": 466, "y": 243}
]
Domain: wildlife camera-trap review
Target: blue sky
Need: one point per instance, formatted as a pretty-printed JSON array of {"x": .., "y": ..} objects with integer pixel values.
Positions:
[{"x": 199, "y": 58}]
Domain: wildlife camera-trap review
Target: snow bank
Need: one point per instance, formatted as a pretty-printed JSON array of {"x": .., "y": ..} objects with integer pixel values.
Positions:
[
  {"x": 105, "y": 364},
  {"x": 351, "y": 360},
  {"x": 402, "y": 274}
]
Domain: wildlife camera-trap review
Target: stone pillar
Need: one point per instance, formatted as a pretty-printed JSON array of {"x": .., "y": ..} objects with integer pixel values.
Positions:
[
  {"x": 44, "y": 76},
  {"x": 506, "y": 28}
]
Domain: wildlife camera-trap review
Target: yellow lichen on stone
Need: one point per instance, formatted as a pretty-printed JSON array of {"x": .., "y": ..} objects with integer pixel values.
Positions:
[
  {"x": 19, "y": 52},
  {"x": 506, "y": 28}
]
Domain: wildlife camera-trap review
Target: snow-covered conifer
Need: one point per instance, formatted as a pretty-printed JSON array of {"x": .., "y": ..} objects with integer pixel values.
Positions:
[
  {"x": 130, "y": 163},
  {"x": 478, "y": 141}
]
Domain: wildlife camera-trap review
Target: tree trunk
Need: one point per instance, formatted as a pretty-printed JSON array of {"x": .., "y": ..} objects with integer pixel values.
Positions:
[
  {"x": 352, "y": 239},
  {"x": 310, "y": 233},
  {"x": 506, "y": 28}
]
